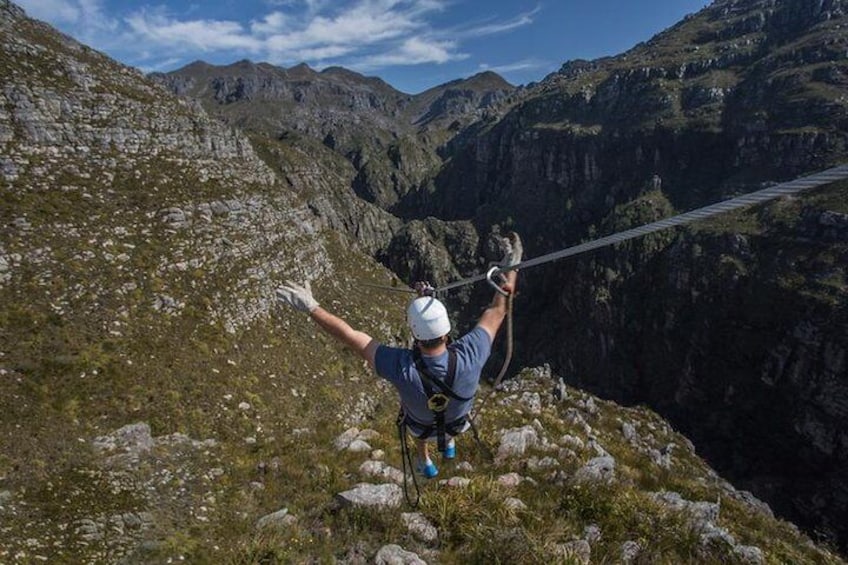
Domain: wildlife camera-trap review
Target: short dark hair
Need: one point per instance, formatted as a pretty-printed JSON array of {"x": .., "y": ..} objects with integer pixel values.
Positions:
[{"x": 431, "y": 343}]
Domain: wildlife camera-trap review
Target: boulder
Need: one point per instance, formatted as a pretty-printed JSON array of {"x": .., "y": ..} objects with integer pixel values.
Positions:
[
  {"x": 420, "y": 527},
  {"x": 396, "y": 555},
  {"x": 515, "y": 442},
  {"x": 381, "y": 470},
  {"x": 597, "y": 470},
  {"x": 280, "y": 518},
  {"x": 387, "y": 495}
]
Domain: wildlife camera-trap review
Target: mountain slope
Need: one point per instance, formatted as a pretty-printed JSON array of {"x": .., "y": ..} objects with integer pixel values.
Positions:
[
  {"x": 140, "y": 245},
  {"x": 740, "y": 94},
  {"x": 391, "y": 138},
  {"x": 157, "y": 407}
]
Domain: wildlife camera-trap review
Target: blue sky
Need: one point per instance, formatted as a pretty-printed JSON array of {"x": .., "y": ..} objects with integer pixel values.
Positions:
[{"x": 411, "y": 44}]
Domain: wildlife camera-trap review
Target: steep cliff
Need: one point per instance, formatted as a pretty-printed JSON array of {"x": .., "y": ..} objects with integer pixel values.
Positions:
[{"x": 736, "y": 332}]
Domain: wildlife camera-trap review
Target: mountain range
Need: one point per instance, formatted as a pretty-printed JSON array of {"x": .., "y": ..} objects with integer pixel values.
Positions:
[{"x": 149, "y": 376}]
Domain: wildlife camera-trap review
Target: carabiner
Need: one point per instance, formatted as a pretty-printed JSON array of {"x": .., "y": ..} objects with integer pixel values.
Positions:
[{"x": 491, "y": 273}]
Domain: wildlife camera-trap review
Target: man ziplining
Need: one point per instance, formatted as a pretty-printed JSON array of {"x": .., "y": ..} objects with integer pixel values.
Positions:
[{"x": 436, "y": 379}]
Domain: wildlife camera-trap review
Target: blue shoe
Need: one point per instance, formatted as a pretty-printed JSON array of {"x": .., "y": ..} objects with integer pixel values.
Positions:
[
  {"x": 427, "y": 469},
  {"x": 450, "y": 450}
]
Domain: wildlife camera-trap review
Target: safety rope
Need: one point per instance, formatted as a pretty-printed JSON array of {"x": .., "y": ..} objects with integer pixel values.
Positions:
[
  {"x": 784, "y": 189},
  {"x": 406, "y": 464},
  {"x": 508, "y": 357}
]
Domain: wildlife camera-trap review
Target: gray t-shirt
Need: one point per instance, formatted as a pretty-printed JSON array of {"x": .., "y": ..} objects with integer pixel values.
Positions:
[{"x": 397, "y": 366}]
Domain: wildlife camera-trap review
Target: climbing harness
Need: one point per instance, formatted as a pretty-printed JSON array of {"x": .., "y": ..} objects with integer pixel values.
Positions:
[
  {"x": 437, "y": 400},
  {"x": 439, "y": 393}
]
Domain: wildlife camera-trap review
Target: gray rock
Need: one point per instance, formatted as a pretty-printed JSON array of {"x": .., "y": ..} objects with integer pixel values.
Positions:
[
  {"x": 660, "y": 458},
  {"x": 572, "y": 442},
  {"x": 536, "y": 464},
  {"x": 359, "y": 446},
  {"x": 702, "y": 516},
  {"x": 174, "y": 217},
  {"x": 560, "y": 392},
  {"x": 597, "y": 470},
  {"x": 345, "y": 439},
  {"x": 510, "y": 480},
  {"x": 592, "y": 533},
  {"x": 833, "y": 219},
  {"x": 372, "y": 496},
  {"x": 515, "y": 442},
  {"x": 713, "y": 534},
  {"x": 166, "y": 304},
  {"x": 533, "y": 401},
  {"x": 595, "y": 446},
  {"x": 630, "y": 551},
  {"x": 753, "y": 502},
  {"x": 133, "y": 439},
  {"x": 219, "y": 208},
  {"x": 455, "y": 482},
  {"x": 420, "y": 527},
  {"x": 514, "y": 504},
  {"x": 629, "y": 432},
  {"x": 396, "y": 555},
  {"x": 5, "y": 497},
  {"x": 89, "y": 530},
  {"x": 749, "y": 554},
  {"x": 280, "y": 518},
  {"x": 368, "y": 435},
  {"x": 381, "y": 470}
]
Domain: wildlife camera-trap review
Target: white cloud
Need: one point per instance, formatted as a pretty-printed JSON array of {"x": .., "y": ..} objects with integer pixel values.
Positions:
[
  {"x": 160, "y": 30},
  {"x": 413, "y": 51},
  {"x": 493, "y": 28},
  {"x": 523, "y": 65},
  {"x": 360, "y": 34}
]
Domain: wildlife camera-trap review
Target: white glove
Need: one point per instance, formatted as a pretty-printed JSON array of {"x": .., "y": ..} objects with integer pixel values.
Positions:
[
  {"x": 513, "y": 250},
  {"x": 298, "y": 297}
]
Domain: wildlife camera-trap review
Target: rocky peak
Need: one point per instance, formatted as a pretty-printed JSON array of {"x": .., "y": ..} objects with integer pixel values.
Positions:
[{"x": 11, "y": 10}]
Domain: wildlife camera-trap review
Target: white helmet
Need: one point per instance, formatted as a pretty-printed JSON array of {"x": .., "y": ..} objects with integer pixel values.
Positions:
[{"x": 428, "y": 318}]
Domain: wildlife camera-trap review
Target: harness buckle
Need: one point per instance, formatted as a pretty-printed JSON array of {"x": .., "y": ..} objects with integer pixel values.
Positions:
[{"x": 438, "y": 402}]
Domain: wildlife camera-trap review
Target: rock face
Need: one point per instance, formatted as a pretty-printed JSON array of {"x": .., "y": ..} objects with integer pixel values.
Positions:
[
  {"x": 378, "y": 150},
  {"x": 113, "y": 182}
]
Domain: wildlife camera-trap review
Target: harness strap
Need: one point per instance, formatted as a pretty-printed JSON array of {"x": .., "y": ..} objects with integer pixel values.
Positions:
[
  {"x": 437, "y": 401},
  {"x": 431, "y": 382}
]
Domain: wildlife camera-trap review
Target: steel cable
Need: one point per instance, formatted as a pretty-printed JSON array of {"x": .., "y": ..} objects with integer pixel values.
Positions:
[{"x": 784, "y": 189}]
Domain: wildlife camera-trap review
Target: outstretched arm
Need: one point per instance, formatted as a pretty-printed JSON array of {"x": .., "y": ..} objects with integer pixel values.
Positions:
[
  {"x": 360, "y": 342},
  {"x": 494, "y": 315},
  {"x": 300, "y": 298}
]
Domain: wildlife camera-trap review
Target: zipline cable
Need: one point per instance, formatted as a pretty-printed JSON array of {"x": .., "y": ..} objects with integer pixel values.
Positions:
[{"x": 784, "y": 189}]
